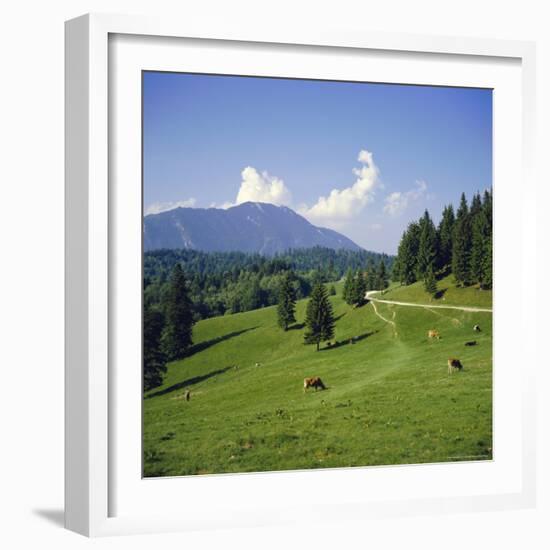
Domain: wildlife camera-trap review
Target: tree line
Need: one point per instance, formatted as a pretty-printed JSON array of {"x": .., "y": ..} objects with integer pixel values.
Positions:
[
  {"x": 358, "y": 282},
  {"x": 462, "y": 244},
  {"x": 233, "y": 282},
  {"x": 331, "y": 264}
]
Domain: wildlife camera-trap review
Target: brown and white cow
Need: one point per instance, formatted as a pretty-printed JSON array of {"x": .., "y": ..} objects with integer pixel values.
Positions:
[
  {"x": 453, "y": 364},
  {"x": 313, "y": 382},
  {"x": 434, "y": 334}
]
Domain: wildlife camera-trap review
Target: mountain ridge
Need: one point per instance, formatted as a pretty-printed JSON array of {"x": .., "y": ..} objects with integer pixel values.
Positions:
[{"x": 248, "y": 227}]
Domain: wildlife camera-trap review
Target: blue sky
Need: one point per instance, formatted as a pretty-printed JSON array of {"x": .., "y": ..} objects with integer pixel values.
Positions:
[{"x": 364, "y": 159}]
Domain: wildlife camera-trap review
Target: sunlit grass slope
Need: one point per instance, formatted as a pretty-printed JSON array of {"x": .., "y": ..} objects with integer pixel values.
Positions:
[
  {"x": 448, "y": 294},
  {"x": 389, "y": 398}
]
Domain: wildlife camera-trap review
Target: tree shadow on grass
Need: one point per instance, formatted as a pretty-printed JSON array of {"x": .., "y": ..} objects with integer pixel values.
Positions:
[
  {"x": 440, "y": 293},
  {"x": 300, "y": 326},
  {"x": 349, "y": 341},
  {"x": 188, "y": 382},
  {"x": 201, "y": 346}
]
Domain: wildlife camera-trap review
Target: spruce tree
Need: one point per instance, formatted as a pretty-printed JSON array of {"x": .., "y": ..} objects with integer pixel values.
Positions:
[
  {"x": 462, "y": 244},
  {"x": 316, "y": 277},
  {"x": 359, "y": 288},
  {"x": 430, "y": 283},
  {"x": 178, "y": 330},
  {"x": 488, "y": 206},
  {"x": 396, "y": 269},
  {"x": 382, "y": 276},
  {"x": 480, "y": 234},
  {"x": 426, "y": 246},
  {"x": 154, "y": 359},
  {"x": 287, "y": 303},
  {"x": 347, "y": 292},
  {"x": 487, "y": 262},
  {"x": 371, "y": 275},
  {"x": 487, "y": 277},
  {"x": 445, "y": 238},
  {"x": 319, "y": 317},
  {"x": 407, "y": 254},
  {"x": 476, "y": 206},
  {"x": 252, "y": 294}
]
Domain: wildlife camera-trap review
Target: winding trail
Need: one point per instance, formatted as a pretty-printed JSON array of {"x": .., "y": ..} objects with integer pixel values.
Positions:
[
  {"x": 369, "y": 296},
  {"x": 383, "y": 318}
]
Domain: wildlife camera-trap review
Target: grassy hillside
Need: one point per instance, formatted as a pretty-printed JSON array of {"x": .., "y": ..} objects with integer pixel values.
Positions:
[
  {"x": 389, "y": 398},
  {"x": 448, "y": 294}
]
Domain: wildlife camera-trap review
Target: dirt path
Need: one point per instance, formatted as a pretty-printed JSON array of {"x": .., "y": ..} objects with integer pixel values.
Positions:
[
  {"x": 370, "y": 293},
  {"x": 383, "y": 318}
]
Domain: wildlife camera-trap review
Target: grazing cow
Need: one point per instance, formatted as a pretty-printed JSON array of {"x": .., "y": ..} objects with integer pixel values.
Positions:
[
  {"x": 434, "y": 334},
  {"x": 258, "y": 365},
  {"x": 187, "y": 395},
  {"x": 454, "y": 364},
  {"x": 477, "y": 328},
  {"x": 314, "y": 382},
  {"x": 471, "y": 343}
]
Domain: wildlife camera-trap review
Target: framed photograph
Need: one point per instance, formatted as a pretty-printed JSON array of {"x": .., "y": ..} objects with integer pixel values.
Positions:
[{"x": 290, "y": 292}]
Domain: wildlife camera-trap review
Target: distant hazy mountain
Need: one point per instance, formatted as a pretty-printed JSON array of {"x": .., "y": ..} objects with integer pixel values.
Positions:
[{"x": 248, "y": 227}]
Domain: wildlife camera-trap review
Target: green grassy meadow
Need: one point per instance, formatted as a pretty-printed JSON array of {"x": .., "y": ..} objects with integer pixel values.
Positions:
[
  {"x": 448, "y": 294},
  {"x": 389, "y": 400}
]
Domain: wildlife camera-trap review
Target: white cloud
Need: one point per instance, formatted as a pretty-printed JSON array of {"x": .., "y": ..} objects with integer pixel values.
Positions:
[
  {"x": 421, "y": 188},
  {"x": 261, "y": 187},
  {"x": 158, "y": 207},
  {"x": 223, "y": 205},
  {"x": 343, "y": 204},
  {"x": 397, "y": 202}
]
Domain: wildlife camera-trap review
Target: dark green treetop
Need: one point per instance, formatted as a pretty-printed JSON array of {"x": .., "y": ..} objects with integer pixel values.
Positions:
[
  {"x": 430, "y": 282},
  {"x": 445, "y": 238},
  {"x": 178, "y": 329},
  {"x": 154, "y": 359},
  {"x": 319, "y": 317},
  {"x": 347, "y": 292},
  {"x": 462, "y": 244},
  {"x": 407, "y": 254},
  {"x": 427, "y": 244},
  {"x": 381, "y": 276},
  {"x": 371, "y": 275},
  {"x": 286, "y": 306}
]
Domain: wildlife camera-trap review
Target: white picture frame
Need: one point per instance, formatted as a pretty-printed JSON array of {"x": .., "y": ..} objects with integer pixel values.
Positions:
[{"x": 92, "y": 222}]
